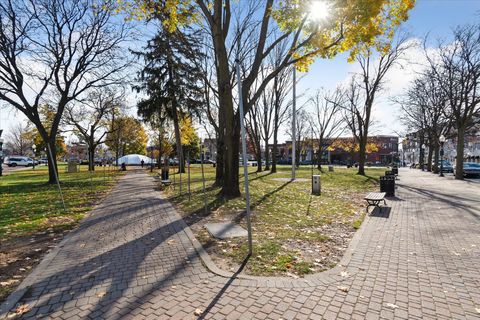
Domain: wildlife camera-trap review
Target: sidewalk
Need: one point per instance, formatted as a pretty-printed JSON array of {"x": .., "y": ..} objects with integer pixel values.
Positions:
[{"x": 134, "y": 258}]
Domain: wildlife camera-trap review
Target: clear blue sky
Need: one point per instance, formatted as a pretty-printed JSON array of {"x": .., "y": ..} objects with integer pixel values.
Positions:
[{"x": 433, "y": 17}]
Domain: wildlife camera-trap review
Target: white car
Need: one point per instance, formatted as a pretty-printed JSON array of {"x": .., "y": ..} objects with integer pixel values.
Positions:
[{"x": 13, "y": 161}]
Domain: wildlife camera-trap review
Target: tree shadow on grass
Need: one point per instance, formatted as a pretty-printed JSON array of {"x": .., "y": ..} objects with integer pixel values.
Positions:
[
  {"x": 270, "y": 194},
  {"x": 258, "y": 175}
]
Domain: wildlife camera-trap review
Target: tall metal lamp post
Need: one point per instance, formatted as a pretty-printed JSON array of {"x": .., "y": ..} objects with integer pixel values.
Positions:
[
  {"x": 442, "y": 142},
  {"x": 34, "y": 149},
  {"x": 1, "y": 153}
]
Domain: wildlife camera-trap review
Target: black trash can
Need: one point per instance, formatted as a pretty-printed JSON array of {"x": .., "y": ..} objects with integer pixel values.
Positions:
[
  {"x": 395, "y": 170},
  {"x": 164, "y": 174},
  {"x": 387, "y": 185},
  {"x": 389, "y": 173}
]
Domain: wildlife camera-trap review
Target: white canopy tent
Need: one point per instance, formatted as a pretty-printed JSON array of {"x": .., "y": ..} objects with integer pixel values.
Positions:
[{"x": 134, "y": 159}]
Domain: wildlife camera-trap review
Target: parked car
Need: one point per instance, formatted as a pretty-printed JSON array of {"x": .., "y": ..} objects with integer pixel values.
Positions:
[
  {"x": 447, "y": 166},
  {"x": 471, "y": 169},
  {"x": 13, "y": 161},
  {"x": 43, "y": 161}
]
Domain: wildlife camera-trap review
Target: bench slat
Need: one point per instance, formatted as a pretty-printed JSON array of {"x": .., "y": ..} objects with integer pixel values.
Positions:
[{"x": 375, "y": 196}]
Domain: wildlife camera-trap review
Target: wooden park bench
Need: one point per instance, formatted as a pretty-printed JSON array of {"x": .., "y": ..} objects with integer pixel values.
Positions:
[{"x": 374, "y": 198}]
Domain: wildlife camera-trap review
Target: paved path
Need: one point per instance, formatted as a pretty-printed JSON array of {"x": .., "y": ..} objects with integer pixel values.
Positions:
[{"x": 134, "y": 258}]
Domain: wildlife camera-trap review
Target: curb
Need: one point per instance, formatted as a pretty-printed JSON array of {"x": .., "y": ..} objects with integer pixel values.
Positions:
[{"x": 322, "y": 278}]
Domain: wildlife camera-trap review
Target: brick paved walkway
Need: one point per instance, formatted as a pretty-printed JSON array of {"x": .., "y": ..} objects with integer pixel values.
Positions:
[{"x": 133, "y": 258}]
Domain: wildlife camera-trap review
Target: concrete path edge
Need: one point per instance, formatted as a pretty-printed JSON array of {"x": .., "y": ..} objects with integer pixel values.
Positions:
[{"x": 321, "y": 278}]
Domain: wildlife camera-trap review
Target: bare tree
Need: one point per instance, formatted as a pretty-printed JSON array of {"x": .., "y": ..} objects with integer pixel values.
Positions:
[
  {"x": 303, "y": 128},
  {"x": 89, "y": 118},
  {"x": 257, "y": 30},
  {"x": 363, "y": 89},
  {"x": 19, "y": 140},
  {"x": 458, "y": 72},
  {"x": 54, "y": 51},
  {"x": 254, "y": 132},
  {"x": 424, "y": 111},
  {"x": 328, "y": 123}
]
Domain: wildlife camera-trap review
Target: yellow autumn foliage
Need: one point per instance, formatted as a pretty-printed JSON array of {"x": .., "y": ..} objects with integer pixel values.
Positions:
[{"x": 350, "y": 26}]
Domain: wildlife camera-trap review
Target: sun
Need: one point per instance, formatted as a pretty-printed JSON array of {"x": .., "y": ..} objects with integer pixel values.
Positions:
[{"x": 319, "y": 10}]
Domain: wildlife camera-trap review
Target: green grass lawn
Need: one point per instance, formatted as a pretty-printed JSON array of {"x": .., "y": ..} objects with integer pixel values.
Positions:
[
  {"x": 28, "y": 204},
  {"x": 293, "y": 231}
]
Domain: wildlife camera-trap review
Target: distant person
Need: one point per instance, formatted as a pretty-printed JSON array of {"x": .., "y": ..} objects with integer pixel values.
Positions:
[
  {"x": 142, "y": 163},
  {"x": 123, "y": 167}
]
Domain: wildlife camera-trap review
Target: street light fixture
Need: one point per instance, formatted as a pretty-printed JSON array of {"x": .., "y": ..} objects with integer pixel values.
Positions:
[
  {"x": 442, "y": 141},
  {"x": 34, "y": 148}
]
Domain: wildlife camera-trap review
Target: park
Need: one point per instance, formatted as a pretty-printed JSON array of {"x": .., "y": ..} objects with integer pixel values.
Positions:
[{"x": 218, "y": 159}]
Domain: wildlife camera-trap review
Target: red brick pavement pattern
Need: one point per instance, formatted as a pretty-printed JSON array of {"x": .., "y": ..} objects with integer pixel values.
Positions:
[{"x": 132, "y": 259}]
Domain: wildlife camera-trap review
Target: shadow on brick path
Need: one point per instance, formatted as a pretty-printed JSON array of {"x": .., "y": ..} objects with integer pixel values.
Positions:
[
  {"x": 112, "y": 252},
  {"x": 134, "y": 258}
]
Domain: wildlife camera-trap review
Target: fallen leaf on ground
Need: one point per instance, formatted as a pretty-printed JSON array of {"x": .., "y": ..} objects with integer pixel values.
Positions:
[
  {"x": 344, "y": 274},
  {"x": 477, "y": 309},
  {"x": 391, "y": 305},
  {"x": 101, "y": 294},
  {"x": 198, "y": 312},
  {"x": 24, "y": 308},
  {"x": 9, "y": 282},
  {"x": 343, "y": 288}
]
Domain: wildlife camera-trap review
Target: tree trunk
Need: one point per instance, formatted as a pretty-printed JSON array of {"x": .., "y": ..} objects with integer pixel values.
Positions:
[
  {"x": 159, "y": 161},
  {"x": 178, "y": 138},
  {"x": 436, "y": 154},
  {"x": 231, "y": 187},
  {"x": 52, "y": 161},
  {"x": 91, "y": 155},
  {"x": 421, "y": 153},
  {"x": 430, "y": 157},
  {"x": 231, "y": 134},
  {"x": 275, "y": 143},
  {"x": 220, "y": 160},
  {"x": 361, "y": 155},
  {"x": 258, "y": 155},
  {"x": 460, "y": 150},
  {"x": 267, "y": 155},
  {"x": 273, "y": 169},
  {"x": 319, "y": 159}
]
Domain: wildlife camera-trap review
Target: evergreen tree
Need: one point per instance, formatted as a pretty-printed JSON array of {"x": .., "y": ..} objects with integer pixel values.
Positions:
[{"x": 172, "y": 79}]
